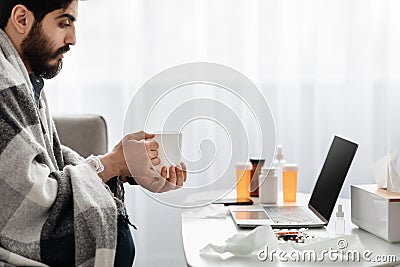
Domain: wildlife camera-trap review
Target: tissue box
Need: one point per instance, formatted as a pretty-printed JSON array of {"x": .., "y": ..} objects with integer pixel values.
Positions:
[{"x": 376, "y": 211}]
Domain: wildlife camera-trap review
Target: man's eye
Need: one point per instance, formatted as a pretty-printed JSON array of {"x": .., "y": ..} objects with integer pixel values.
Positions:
[{"x": 64, "y": 25}]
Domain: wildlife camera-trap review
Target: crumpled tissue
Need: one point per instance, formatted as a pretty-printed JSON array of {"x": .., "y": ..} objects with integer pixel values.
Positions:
[
  {"x": 244, "y": 244},
  {"x": 386, "y": 174}
]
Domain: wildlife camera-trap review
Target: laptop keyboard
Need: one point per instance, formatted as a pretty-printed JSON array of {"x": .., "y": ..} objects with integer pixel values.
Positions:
[{"x": 291, "y": 215}]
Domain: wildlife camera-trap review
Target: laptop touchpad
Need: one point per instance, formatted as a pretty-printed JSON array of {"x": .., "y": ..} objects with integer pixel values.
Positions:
[{"x": 251, "y": 215}]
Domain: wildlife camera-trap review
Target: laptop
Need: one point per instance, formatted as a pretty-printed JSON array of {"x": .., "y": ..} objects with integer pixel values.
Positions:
[{"x": 322, "y": 201}]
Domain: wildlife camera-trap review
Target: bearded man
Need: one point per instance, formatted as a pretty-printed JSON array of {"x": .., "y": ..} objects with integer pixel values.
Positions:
[{"x": 56, "y": 208}]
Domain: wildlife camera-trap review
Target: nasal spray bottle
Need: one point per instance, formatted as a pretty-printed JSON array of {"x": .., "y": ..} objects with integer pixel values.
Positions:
[
  {"x": 339, "y": 224},
  {"x": 278, "y": 163}
]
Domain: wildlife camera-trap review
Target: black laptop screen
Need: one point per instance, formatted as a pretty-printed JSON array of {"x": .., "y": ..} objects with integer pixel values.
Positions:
[{"x": 331, "y": 178}]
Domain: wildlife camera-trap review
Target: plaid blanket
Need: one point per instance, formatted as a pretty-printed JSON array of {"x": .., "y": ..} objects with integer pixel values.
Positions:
[{"x": 54, "y": 207}]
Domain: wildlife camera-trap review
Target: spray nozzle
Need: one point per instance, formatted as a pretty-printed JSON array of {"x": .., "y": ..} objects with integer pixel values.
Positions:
[
  {"x": 340, "y": 212},
  {"x": 279, "y": 154}
]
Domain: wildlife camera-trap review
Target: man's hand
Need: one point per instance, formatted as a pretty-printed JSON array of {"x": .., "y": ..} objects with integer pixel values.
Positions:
[
  {"x": 135, "y": 156},
  {"x": 177, "y": 176}
]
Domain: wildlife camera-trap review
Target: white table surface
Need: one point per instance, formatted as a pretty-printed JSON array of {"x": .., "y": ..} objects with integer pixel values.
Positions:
[{"x": 198, "y": 232}]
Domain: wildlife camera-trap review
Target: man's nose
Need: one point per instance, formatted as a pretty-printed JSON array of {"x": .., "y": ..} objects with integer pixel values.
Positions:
[{"x": 71, "y": 36}]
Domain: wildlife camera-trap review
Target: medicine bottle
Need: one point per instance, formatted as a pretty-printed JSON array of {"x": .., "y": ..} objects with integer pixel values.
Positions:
[
  {"x": 268, "y": 186},
  {"x": 255, "y": 174}
]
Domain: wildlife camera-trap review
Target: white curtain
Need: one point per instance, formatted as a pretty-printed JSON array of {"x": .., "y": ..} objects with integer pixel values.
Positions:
[{"x": 325, "y": 67}]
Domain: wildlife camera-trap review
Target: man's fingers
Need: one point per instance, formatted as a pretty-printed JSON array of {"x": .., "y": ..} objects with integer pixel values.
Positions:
[
  {"x": 179, "y": 176},
  {"x": 183, "y": 166},
  {"x": 148, "y": 135},
  {"x": 136, "y": 136},
  {"x": 151, "y": 145},
  {"x": 155, "y": 161},
  {"x": 163, "y": 172},
  {"x": 140, "y": 135},
  {"x": 176, "y": 179},
  {"x": 152, "y": 154},
  {"x": 171, "y": 181},
  {"x": 172, "y": 175}
]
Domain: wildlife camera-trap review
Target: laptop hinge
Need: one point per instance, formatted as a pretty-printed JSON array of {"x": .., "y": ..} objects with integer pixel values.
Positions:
[{"x": 317, "y": 213}]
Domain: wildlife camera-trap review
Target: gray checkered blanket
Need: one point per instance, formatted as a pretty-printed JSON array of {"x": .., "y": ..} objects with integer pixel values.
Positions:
[{"x": 53, "y": 205}]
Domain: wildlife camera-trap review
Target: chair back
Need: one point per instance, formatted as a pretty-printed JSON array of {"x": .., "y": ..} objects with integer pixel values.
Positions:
[{"x": 86, "y": 134}]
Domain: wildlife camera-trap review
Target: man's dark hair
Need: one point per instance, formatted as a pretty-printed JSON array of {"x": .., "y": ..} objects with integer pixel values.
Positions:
[{"x": 39, "y": 8}]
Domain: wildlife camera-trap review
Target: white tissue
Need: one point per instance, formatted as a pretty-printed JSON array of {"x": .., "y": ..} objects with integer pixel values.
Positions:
[
  {"x": 244, "y": 244},
  {"x": 385, "y": 172}
]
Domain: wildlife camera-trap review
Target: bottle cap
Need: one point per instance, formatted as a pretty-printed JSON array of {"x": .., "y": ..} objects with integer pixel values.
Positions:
[
  {"x": 268, "y": 171},
  {"x": 244, "y": 166},
  {"x": 290, "y": 167},
  {"x": 255, "y": 161},
  {"x": 340, "y": 212}
]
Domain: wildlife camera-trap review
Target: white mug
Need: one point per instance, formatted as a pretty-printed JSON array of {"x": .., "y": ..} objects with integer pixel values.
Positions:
[{"x": 169, "y": 150}]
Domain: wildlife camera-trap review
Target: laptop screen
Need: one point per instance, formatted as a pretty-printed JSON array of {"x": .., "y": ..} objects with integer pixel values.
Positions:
[{"x": 331, "y": 178}]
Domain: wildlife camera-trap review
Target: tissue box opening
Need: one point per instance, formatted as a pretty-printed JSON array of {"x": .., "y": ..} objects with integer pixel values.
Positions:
[{"x": 376, "y": 211}]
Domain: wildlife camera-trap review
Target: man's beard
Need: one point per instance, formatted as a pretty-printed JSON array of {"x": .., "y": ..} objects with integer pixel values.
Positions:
[{"x": 36, "y": 51}]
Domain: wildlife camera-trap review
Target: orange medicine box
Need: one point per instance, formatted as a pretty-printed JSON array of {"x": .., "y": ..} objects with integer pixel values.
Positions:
[{"x": 376, "y": 211}]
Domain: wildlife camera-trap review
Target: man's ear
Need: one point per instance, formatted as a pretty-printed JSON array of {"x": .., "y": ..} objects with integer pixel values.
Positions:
[{"x": 22, "y": 19}]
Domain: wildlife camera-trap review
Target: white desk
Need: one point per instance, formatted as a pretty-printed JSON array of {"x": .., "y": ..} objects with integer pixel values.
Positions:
[{"x": 198, "y": 232}]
